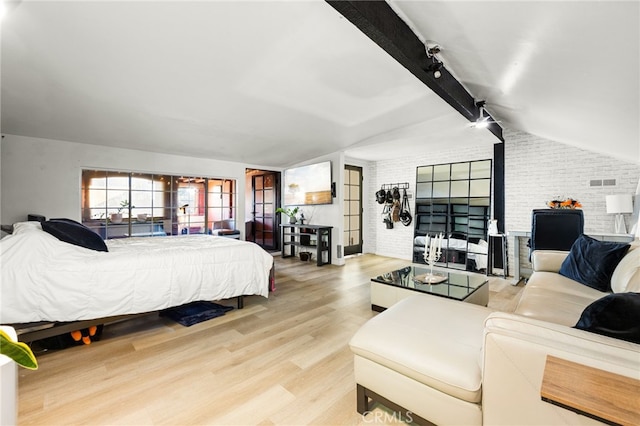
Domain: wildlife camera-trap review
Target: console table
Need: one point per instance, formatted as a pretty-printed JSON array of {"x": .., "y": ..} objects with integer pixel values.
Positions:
[{"x": 316, "y": 237}]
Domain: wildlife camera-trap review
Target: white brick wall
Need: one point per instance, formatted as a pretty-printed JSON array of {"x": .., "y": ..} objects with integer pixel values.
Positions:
[{"x": 536, "y": 170}]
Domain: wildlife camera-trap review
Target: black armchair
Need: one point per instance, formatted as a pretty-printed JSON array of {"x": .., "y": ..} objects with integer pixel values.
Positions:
[{"x": 555, "y": 229}]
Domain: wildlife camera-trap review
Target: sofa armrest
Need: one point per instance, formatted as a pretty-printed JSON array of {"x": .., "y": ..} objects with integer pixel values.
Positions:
[
  {"x": 515, "y": 352},
  {"x": 548, "y": 260}
]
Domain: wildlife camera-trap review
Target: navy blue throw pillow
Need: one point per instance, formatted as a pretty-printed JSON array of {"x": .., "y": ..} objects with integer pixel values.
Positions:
[
  {"x": 73, "y": 232},
  {"x": 592, "y": 262},
  {"x": 616, "y": 315}
]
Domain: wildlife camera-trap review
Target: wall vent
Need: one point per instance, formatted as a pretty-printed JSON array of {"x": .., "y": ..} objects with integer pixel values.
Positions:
[
  {"x": 339, "y": 251},
  {"x": 602, "y": 182}
]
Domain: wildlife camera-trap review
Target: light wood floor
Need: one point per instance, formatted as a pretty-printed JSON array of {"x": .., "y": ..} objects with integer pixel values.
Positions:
[{"x": 282, "y": 360}]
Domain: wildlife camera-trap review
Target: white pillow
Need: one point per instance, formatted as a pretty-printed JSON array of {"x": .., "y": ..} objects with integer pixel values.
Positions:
[
  {"x": 30, "y": 226},
  {"x": 626, "y": 276}
]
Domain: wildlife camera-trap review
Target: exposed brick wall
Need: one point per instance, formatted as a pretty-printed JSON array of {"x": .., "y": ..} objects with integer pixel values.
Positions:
[{"x": 536, "y": 170}]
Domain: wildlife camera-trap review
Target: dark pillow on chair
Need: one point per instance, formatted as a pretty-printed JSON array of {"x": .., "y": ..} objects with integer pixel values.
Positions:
[
  {"x": 592, "y": 262},
  {"x": 616, "y": 315},
  {"x": 73, "y": 232}
]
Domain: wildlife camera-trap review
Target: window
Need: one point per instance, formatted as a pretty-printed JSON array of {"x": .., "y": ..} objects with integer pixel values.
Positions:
[{"x": 123, "y": 204}]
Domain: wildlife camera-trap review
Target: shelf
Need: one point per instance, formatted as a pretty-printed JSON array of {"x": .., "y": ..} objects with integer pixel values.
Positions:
[
  {"x": 297, "y": 244},
  {"x": 292, "y": 237}
]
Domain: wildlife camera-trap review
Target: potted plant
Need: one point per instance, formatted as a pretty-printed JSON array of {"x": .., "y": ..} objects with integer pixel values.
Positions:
[
  {"x": 14, "y": 353},
  {"x": 289, "y": 212},
  {"x": 17, "y": 351},
  {"x": 117, "y": 217}
]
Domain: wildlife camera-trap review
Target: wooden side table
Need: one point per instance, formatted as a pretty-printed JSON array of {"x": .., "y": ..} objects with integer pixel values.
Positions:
[{"x": 601, "y": 395}]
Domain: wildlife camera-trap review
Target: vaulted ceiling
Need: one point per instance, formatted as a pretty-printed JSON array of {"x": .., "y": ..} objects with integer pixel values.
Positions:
[{"x": 273, "y": 83}]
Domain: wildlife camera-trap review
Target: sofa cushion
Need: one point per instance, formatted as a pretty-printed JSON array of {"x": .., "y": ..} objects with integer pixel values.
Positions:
[
  {"x": 615, "y": 315},
  {"x": 549, "y": 296},
  {"x": 592, "y": 262},
  {"x": 626, "y": 277},
  {"x": 447, "y": 333},
  {"x": 548, "y": 260}
]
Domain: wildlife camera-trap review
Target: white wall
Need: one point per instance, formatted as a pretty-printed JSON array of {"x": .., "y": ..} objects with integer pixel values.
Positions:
[
  {"x": 537, "y": 170},
  {"x": 43, "y": 176}
]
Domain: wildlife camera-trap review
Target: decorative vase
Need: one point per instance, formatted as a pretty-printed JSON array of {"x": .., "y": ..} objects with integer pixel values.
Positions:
[
  {"x": 116, "y": 217},
  {"x": 292, "y": 220}
]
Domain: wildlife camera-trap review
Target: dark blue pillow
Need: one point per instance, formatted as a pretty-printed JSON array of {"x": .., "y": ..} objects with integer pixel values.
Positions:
[
  {"x": 73, "y": 232},
  {"x": 592, "y": 262},
  {"x": 616, "y": 315}
]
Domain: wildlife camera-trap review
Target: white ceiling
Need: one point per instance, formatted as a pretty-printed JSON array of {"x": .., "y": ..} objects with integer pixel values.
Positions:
[{"x": 273, "y": 83}]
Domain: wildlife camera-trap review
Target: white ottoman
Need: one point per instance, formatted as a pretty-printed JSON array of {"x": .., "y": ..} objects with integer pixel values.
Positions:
[{"x": 422, "y": 356}]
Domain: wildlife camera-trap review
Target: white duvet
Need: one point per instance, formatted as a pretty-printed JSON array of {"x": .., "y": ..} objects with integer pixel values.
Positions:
[{"x": 45, "y": 279}]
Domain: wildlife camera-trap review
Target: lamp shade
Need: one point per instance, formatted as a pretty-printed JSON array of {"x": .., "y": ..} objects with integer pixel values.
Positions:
[{"x": 619, "y": 203}]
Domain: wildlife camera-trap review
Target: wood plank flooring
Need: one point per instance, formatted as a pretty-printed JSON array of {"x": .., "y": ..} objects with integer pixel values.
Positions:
[{"x": 279, "y": 361}]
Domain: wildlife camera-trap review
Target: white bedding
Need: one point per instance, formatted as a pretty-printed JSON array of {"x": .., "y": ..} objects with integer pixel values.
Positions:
[{"x": 45, "y": 279}]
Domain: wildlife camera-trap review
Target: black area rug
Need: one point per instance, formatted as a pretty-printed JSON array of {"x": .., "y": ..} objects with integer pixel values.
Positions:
[{"x": 195, "y": 312}]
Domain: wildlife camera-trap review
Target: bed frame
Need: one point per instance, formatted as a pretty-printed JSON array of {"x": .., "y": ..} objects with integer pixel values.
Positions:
[{"x": 32, "y": 331}]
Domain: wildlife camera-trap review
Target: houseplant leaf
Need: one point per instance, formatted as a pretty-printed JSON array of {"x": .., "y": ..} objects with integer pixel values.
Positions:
[{"x": 17, "y": 351}]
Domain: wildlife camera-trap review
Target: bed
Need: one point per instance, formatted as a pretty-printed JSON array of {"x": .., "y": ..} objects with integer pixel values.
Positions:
[{"x": 46, "y": 280}]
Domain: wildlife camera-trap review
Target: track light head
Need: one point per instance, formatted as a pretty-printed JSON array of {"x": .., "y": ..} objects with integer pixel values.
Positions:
[
  {"x": 483, "y": 120},
  {"x": 482, "y": 123},
  {"x": 435, "y": 68}
]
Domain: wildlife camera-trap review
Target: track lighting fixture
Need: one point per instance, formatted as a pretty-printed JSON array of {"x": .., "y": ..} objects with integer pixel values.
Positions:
[
  {"x": 484, "y": 119},
  {"x": 436, "y": 64}
]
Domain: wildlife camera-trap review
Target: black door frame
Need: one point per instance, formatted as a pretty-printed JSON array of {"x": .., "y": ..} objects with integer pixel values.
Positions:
[{"x": 358, "y": 248}]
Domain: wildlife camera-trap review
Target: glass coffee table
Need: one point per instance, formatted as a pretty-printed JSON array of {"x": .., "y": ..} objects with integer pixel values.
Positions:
[{"x": 393, "y": 286}]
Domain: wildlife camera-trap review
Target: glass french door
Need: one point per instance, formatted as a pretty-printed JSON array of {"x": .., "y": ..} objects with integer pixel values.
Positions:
[
  {"x": 352, "y": 210},
  {"x": 264, "y": 188}
]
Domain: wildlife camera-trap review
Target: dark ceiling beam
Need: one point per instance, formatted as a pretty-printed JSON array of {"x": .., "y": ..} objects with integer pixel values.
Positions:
[{"x": 381, "y": 24}]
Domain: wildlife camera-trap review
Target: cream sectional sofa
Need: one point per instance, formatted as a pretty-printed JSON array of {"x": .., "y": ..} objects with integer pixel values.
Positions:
[{"x": 451, "y": 363}]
